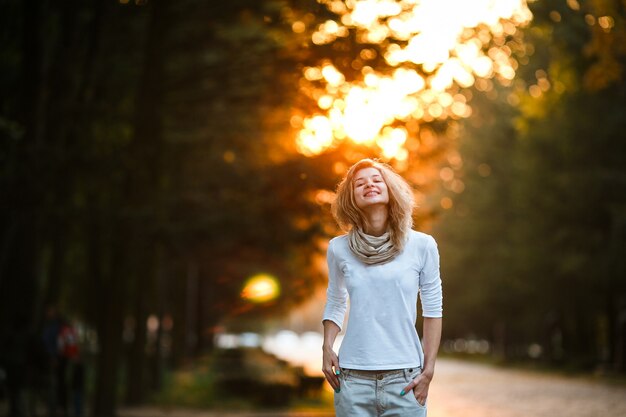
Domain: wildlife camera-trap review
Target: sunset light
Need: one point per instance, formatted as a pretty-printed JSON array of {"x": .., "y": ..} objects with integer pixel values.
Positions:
[{"x": 433, "y": 49}]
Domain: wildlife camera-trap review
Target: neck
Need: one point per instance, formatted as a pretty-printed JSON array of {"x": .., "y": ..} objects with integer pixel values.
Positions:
[{"x": 376, "y": 223}]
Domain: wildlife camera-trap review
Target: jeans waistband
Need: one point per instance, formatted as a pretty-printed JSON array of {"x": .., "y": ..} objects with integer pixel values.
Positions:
[{"x": 380, "y": 374}]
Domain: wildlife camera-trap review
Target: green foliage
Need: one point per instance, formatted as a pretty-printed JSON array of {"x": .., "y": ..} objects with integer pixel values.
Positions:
[
  {"x": 191, "y": 388},
  {"x": 533, "y": 245}
]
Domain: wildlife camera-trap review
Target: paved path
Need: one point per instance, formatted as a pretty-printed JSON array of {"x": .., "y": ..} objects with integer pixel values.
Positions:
[{"x": 463, "y": 389}]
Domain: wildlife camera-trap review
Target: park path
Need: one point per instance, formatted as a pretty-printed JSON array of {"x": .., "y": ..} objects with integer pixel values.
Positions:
[{"x": 465, "y": 389}]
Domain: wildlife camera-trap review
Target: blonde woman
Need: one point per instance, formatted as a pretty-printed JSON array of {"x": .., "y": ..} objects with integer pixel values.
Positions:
[{"x": 383, "y": 369}]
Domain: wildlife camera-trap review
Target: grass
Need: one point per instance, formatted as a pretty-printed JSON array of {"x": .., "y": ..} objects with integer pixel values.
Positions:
[{"x": 187, "y": 388}]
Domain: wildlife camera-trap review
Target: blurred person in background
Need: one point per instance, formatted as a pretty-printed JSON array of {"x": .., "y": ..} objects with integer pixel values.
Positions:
[
  {"x": 381, "y": 264},
  {"x": 61, "y": 345},
  {"x": 67, "y": 345}
]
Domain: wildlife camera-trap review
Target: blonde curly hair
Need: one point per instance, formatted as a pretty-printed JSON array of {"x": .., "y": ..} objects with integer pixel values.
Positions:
[{"x": 400, "y": 207}]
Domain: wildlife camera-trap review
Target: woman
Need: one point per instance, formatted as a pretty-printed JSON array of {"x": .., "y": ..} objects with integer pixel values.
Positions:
[{"x": 382, "y": 368}]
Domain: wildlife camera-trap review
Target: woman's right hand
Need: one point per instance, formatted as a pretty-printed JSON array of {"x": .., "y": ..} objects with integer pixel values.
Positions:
[{"x": 330, "y": 361}]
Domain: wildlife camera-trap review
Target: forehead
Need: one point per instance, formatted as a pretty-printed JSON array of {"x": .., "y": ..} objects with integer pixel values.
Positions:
[{"x": 366, "y": 173}]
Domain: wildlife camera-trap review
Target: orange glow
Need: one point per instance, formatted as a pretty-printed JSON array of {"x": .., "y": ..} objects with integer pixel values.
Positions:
[
  {"x": 261, "y": 288},
  {"x": 229, "y": 157},
  {"x": 573, "y": 4},
  {"x": 606, "y": 22},
  {"x": 446, "y": 174},
  {"x": 454, "y": 44},
  {"x": 324, "y": 197},
  {"x": 298, "y": 27}
]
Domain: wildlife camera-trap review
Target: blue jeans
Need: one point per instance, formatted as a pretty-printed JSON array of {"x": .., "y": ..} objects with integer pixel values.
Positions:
[{"x": 377, "y": 394}]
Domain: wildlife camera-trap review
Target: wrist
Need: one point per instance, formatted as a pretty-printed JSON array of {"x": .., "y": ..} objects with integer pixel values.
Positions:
[{"x": 428, "y": 374}]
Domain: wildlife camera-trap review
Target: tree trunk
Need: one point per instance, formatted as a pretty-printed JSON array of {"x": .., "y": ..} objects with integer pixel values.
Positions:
[
  {"x": 22, "y": 223},
  {"x": 161, "y": 298},
  {"x": 109, "y": 270},
  {"x": 500, "y": 340},
  {"x": 142, "y": 189},
  {"x": 136, "y": 362},
  {"x": 192, "y": 303}
]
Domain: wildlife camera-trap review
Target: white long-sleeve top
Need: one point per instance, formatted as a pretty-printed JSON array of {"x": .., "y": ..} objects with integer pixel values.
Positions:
[{"x": 381, "y": 332}]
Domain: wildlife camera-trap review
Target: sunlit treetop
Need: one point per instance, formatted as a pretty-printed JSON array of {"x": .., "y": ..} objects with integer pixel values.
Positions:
[{"x": 432, "y": 50}]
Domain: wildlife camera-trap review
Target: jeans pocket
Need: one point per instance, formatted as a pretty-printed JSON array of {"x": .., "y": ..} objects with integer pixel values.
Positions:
[
  {"x": 411, "y": 375},
  {"x": 412, "y": 394}
]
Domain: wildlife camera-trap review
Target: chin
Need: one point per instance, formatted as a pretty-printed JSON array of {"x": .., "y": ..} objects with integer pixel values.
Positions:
[{"x": 370, "y": 203}]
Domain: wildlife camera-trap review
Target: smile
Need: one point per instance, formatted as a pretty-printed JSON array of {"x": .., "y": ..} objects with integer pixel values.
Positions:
[{"x": 371, "y": 194}]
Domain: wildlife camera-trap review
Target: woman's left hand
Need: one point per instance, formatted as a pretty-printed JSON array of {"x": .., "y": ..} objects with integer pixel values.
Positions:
[{"x": 420, "y": 388}]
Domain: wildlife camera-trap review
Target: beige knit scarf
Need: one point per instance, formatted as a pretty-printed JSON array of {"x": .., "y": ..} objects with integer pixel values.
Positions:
[{"x": 371, "y": 249}]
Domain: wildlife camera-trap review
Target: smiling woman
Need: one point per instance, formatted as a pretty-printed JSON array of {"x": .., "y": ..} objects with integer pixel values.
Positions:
[
  {"x": 381, "y": 265},
  {"x": 370, "y": 188}
]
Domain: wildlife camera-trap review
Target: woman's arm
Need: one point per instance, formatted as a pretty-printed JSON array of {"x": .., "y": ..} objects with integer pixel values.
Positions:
[
  {"x": 332, "y": 320},
  {"x": 432, "y": 307},
  {"x": 330, "y": 359},
  {"x": 430, "y": 342}
]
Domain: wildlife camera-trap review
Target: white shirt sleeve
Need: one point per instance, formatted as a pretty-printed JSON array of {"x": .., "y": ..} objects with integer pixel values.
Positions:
[
  {"x": 336, "y": 294},
  {"x": 430, "y": 282}
]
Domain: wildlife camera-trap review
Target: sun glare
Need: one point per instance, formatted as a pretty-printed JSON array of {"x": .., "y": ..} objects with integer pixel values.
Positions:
[{"x": 438, "y": 48}]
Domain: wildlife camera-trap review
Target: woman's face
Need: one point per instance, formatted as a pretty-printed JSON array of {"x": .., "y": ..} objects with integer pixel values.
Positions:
[{"x": 369, "y": 188}]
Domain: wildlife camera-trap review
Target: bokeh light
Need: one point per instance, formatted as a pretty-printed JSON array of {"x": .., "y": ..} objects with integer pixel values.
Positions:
[
  {"x": 261, "y": 288},
  {"x": 437, "y": 47}
]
